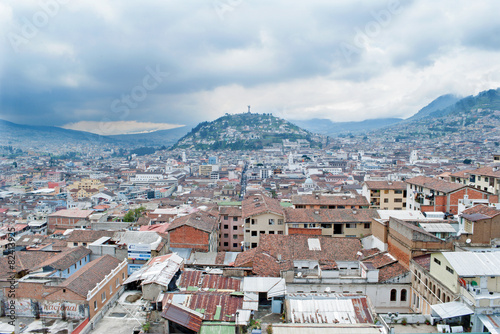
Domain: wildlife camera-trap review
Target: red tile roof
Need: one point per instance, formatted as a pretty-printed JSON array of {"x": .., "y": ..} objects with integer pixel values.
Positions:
[
  {"x": 259, "y": 204},
  {"x": 87, "y": 277},
  {"x": 320, "y": 199},
  {"x": 389, "y": 185},
  {"x": 487, "y": 211},
  {"x": 435, "y": 184},
  {"x": 277, "y": 252},
  {"x": 199, "y": 220}
]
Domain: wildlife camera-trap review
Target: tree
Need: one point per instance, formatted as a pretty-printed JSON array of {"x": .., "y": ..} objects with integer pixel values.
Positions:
[{"x": 133, "y": 215}]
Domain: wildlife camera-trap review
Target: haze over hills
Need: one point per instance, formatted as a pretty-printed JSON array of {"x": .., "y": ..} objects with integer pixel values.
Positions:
[
  {"x": 446, "y": 115},
  {"x": 332, "y": 129}
]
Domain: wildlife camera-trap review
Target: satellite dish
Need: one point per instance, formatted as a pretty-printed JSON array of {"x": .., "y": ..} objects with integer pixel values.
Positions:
[{"x": 468, "y": 241}]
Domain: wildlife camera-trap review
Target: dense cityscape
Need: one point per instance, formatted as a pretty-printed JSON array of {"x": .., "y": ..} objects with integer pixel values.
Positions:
[
  {"x": 249, "y": 167},
  {"x": 308, "y": 232}
]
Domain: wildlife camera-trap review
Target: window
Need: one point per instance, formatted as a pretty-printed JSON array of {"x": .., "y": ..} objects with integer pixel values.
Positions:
[
  {"x": 235, "y": 228},
  {"x": 253, "y": 222},
  {"x": 254, "y": 233},
  {"x": 326, "y": 225},
  {"x": 75, "y": 265},
  {"x": 75, "y": 244},
  {"x": 226, "y": 227},
  {"x": 117, "y": 282},
  {"x": 271, "y": 221},
  {"x": 403, "y": 295},
  {"x": 95, "y": 304},
  {"x": 271, "y": 232},
  {"x": 262, "y": 232},
  {"x": 103, "y": 296},
  {"x": 398, "y": 191},
  {"x": 350, "y": 225},
  {"x": 451, "y": 271},
  {"x": 226, "y": 217},
  {"x": 280, "y": 232},
  {"x": 226, "y": 235},
  {"x": 226, "y": 244},
  {"x": 393, "y": 295},
  {"x": 280, "y": 221},
  {"x": 386, "y": 200},
  {"x": 235, "y": 236},
  {"x": 398, "y": 200},
  {"x": 84, "y": 243},
  {"x": 367, "y": 225},
  {"x": 235, "y": 219},
  {"x": 437, "y": 261},
  {"x": 110, "y": 290},
  {"x": 123, "y": 276},
  {"x": 254, "y": 244},
  {"x": 235, "y": 244}
]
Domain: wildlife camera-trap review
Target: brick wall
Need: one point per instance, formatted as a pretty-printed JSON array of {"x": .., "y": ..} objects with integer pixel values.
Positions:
[
  {"x": 308, "y": 231},
  {"x": 189, "y": 237}
]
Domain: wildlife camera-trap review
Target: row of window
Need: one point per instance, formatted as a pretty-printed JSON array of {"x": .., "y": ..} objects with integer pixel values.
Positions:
[
  {"x": 254, "y": 233},
  {"x": 402, "y": 295},
  {"x": 431, "y": 289},
  {"x": 235, "y": 218},
  {"x": 103, "y": 294}
]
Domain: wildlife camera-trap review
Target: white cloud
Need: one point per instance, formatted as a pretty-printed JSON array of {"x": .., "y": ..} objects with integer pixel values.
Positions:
[
  {"x": 279, "y": 57},
  {"x": 107, "y": 128}
]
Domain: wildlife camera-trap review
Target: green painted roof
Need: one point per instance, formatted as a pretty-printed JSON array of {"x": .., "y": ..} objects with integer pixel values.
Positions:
[
  {"x": 217, "y": 328},
  {"x": 286, "y": 204}
]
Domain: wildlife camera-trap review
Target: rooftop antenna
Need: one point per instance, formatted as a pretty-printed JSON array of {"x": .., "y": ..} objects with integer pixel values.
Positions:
[{"x": 248, "y": 109}]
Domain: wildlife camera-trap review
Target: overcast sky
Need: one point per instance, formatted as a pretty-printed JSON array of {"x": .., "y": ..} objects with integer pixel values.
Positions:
[{"x": 86, "y": 63}]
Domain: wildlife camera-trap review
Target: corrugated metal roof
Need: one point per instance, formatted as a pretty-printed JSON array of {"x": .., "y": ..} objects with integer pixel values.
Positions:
[
  {"x": 213, "y": 305},
  {"x": 328, "y": 308},
  {"x": 182, "y": 315},
  {"x": 262, "y": 284},
  {"x": 185, "y": 253},
  {"x": 202, "y": 258},
  {"x": 451, "y": 310},
  {"x": 471, "y": 264},
  {"x": 230, "y": 257},
  {"x": 158, "y": 270},
  {"x": 200, "y": 280},
  {"x": 326, "y": 329},
  {"x": 491, "y": 322},
  {"x": 438, "y": 227}
]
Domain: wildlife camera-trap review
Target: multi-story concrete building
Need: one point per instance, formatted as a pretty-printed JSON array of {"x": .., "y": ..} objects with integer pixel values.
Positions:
[
  {"x": 385, "y": 195},
  {"x": 429, "y": 194},
  {"x": 354, "y": 223},
  {"x": 262, "y": 215},
  {"x": 231, "y": 229},
  {"x": 330, "y": 201}
]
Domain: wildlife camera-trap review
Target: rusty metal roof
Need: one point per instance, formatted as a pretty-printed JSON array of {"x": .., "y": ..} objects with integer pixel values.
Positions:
[
  {"x": 199, "y": 280},
  {"x": 328, "y": 308},
  {"x": 215, "y": 306},
  {"x": 182, "y": 316}
]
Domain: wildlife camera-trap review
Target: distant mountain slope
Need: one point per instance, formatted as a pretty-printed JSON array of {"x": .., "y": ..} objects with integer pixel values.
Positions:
[
  {"x": 12, "y": 132},
  {"x": 32, "y": 136},
  {"x": 442, "y": 102},
  {"x": 157, "y": 138},
  {"x": 471, "y": 118},
  {"x": 245, "y": 131},
  {"x": 329, "y": 128}
]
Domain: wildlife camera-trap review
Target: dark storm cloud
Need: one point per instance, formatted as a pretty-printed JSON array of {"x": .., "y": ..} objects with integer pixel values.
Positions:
[{"x": 346, "y": 60}]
